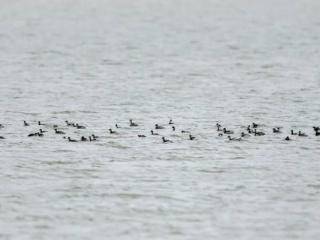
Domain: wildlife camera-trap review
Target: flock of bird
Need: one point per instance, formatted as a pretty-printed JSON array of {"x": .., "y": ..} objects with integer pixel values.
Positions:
[{"x": 251, "y": 130}]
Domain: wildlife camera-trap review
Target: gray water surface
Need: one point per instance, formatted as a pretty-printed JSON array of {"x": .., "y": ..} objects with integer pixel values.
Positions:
[{"x": 102, "y": 62}]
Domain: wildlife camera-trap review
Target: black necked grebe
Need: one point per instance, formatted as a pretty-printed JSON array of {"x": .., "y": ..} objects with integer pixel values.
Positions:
[
  {"x": 287, "y": 138},
  {"x": 173, "y": 128},
  {"x": 244, "y": 135},
  {"x": 141, "y": 136},
  {"x": 79, "y": 126},
  {"x": 153, "y": 133},
  {"x": 276, "y": 130},
  {"x": 170, "y": 122},
  {"x": 225, "y": 131},
  {"x": 293, "y": 133},
  {"x": 234, "y": 139},
  {"x": 191, "y": 137},
  {"x": 111, "y": 131},
  {"x": 256, "y": 133},
  {"x": 255, "y": 125},
  {"x": 301, "y": 134},
  {"x": 71, "y": 140},
  {"x": 25, "y": 123},
  {"x": 117, "y": 126},
  {"x": 84, "y": 139}
]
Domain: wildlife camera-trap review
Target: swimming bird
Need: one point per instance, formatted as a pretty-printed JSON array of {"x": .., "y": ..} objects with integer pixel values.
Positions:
[
  {"x": 317, "y": 133},
  {"x": 84, "y": 139},
  {"x": 69, "y": 123},
  {"x": 276, "y": 130},
  {"x": 141, "y": 136},
  {"x": 234, "y": 139},
  {"x": 256, "y": 133},
  {"x": 171, "y": 122},
  {"x": 153, "y": 133},
  {"x": 71, "y": 140},
  {"x": 133, "y": 124},
  {"x": 287, "y": 138},
  {"x": 300, "y": 134},
  {"x": 94, "y": 136},
  {"x": 173, "y": 128},
  {"x": 164, "y": 140},
  {"x": 117, "y": 126},
  {"x": 218, "y": 127},
  {"x": 220, "y": 134},
  {"x": 225, "y": 131},
  {"x": 1, "y": 126},
  {"x": 33, "y": 134},
  {"x": 91, "y": 139},
  {"x": 255, "y": 125},
  {"x": 244, "y": 135},
  {"x": 316, "y": 129},
  {"x": 157, "y": 126},
  {"x": 79, "y": 126},
  {"x": 184, "y": 131},
  {"x": 293, "y": 133},
  {"x": 58, "y": 131},
  {"x": 191, "y": 137},
  {"x": 41, "y": 131},
  {"x": 25, "y": 123},
  {"x": 112, "y": 132},
  {"x": 1, "y": 137},
  {"x": 40, "y": 123}
]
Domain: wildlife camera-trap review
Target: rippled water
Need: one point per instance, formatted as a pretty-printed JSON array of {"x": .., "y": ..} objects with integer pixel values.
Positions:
[{"x": 199, "y": 62}]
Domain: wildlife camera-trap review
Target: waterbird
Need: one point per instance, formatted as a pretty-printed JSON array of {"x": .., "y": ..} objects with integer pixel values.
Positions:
[
  {"x": 244, "y": 135},
  {"x": 287, "y": 138},
  {"x": 133, "y": 124},
  {"x": 191, "y": 137},
  {"x": 117, "y": 126},
  {"x": 153, "y": 133},
  {"x": 58, "y": 131},
  {"x": 41, "y": 131},
  {"x": 40, "y": 123},
  {"x": 276, "y": 130},
  {"x": 79, "y": 126},
  {"x": 25, "y": 123},
  {"x": 218, "y": 127},
  {"x": 69, "y": 123},
  {"x": 255, "y": 125},
  {"x": 293, "y": 133},
  {"x": 84, "y": 139},
  {"x": 71, "y": 140},
  {"x": 1, "y": 126},
  {"x": 141, "y": 136},
  {"x": 256, "y": 133},
  {"x": 316, "y": 129},
  {"x": 112, "y": 132},
  {"x": 317, "y": 133},
  {"x": 301, "y": 134},
  {"x": 225, "y": 131},
  {"x": 32, "y": 134},
  {"x": 164, "y": 140},
  {"x": 234, "y": 139},
  {"x": 157, "y": 126},
  {"x": 171, "y": 122},
  {"x": 173, "y": 128},
  {"x": 184, "y": 131},
  {"x": 1, "y": 137}
]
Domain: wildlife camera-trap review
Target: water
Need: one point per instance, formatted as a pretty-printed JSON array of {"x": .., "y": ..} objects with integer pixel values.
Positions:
[{"x": 199, "y": 62}]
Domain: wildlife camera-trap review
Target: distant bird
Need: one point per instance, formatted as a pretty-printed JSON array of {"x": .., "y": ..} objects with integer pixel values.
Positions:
[
  {"x": 317, "y": 133},
  {"x": 58, "y": 131},
  {"x": 293, "y": 133},
  {"x": 71, "y": 140},
  {"x": 39, "y": 123},
  {"x": 164, "y": 140},
  {"x": 79, "y": 126},
  {"x": 316, "y": 129},
  {"x": 41, "y": 131},
  {"x": 153, "y": 133},
  {"x": 117, "y": 126},
  {"x": 1, "y": 126},
  {"x": 33, "y": 134},
  {"x": 256, "y": 133},
  {"x": 171, "y": 122},
  {"x": 111, "y": 131},
  {"x": 276, "y": 130},
  {"x": 84, "y": 139},
  {"x": 300, "y": 134},
  {"x": 25, "y": 123},
  {"x": 157, "y": 126},
  {"x": 1, "y": 137},
  {"x": 218, "y": 127},
  {"x": 132, "y": 124},
  {"x": 184, "y": 131},
  {"x": 244, "y": 135},
  {"x": 225, "y": 131},
  {"x": 255, "y": 125},
  {"x": 173, "y": 128},
  {"x": 234, "y": 139},
  {"x": 141, "y": 136},
  {"x": 191, "y": 137},
  {"x": 287, "y": 138}
]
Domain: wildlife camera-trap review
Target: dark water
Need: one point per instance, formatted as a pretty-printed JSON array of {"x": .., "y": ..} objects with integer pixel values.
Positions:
[{"x": 199, "y": 62}]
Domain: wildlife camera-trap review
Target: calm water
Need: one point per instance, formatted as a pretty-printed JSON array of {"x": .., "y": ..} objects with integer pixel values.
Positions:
[{"x": 103, "y": 62}]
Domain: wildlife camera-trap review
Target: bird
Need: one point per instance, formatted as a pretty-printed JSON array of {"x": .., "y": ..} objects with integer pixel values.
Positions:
[
  {"x": 84, "y": 139},
  {"x": 276, "y": 130},
  {"x": 32, "y": 134},
  {"x": 69, "y": 123},
  {"x": 173, "y": 128},
  {"x": 132, "y": 124},
  {"x": 164, "y": 140},
  {"x": 301, "y": 134},
  {"x": 170, "y": 122},
  {"x": 255, "y": 125},
  {"x": 244, "y": 135},
  {"x": 141, "y": 136},
  {"x": 39, "y": 123},
  {"x": 71, "y": 140},
  {"x": 112, "y": 132},
  {"x": 218, "y": 127},
  {"x": 258, "y": 133},
  {"x": 287, "y": 138},
  {"x": 41, "y": 131},
  {"x": 1, "y": 137},
  {"x": 153, "y": 133},
  {"x": 157, "y": 126},
  {"x": 58, "y": 131},
  {"x": 191, "y": 137},
  {"x": 293, "y": 133},
  {"x": 225, "y": 131},
  {"x": 79, "y": 126},
  {"x": 117, "y": 126},
  {"x": 234, "y": 139},
  {"x": 184, "y": 131},
  {"x": 25, "y": 123}
]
